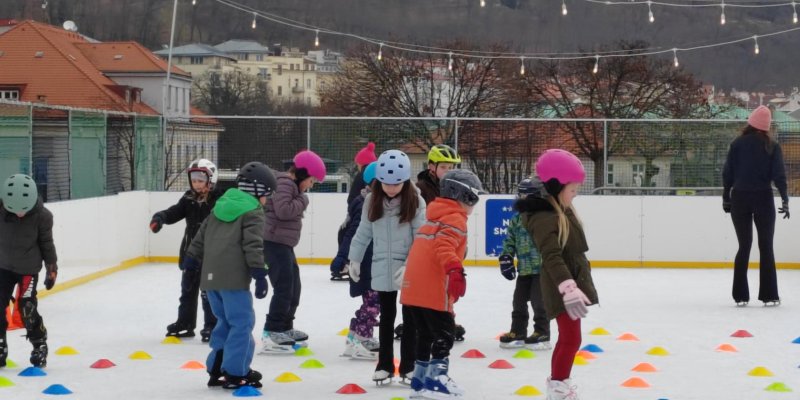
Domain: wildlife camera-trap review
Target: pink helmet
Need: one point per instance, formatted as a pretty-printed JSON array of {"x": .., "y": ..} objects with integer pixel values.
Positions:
[
  {"x": 312, "y": 163},
  {"x": 562, "y": 165}
]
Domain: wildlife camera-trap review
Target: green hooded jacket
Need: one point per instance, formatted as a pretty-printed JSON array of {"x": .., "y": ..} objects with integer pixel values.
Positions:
[
  {"x": 518, "y": 243},
  {"x": 230, "y": 242}
]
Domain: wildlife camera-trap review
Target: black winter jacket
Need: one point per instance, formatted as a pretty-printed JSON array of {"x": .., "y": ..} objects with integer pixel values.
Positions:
[
  {"x": 353, "y": 220},
  {"x": 26, "y": 242},
  {"x": 193, "y": 211},
  {"x": 753, "y": 163},
  {"x": 428, "y": 188}
]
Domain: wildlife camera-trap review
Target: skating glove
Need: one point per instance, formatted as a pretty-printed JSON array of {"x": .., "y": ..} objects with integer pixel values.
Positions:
[
  {"x": 156, "y": 223},
  {"x": 575, "y": 301},
  {"x": 726, "y": 200},
  {"x": 398, "y": 277},
  {"x": 507, "y": 267},
  {"x": 456, "y": 281},
  {"x": 355, "y": 271},
  {"x": 190, "y": 264},
  {"x": 337, "y": 265},
  {"x": 784, "y": 209},
  {"x": 52, "y": 274},
  {"x": 260, "y": 276},
  {"x": 726, "y": 206}
]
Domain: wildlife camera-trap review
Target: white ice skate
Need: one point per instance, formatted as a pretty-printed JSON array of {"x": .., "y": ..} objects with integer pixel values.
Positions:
[
  {"x": 561, "y": 390},
  {"x": 277, "y": 343},
  {"x": 381, "y": 377},
  {"x": 300, "y": 338},
  {"x": 361, "y": 348}
]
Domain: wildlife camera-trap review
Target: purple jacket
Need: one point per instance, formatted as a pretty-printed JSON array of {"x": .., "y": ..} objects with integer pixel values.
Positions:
[{"x": 285, "y": 212}]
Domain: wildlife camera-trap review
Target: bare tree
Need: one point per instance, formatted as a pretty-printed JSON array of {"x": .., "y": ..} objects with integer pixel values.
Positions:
[{"x": 230, "y": 93}]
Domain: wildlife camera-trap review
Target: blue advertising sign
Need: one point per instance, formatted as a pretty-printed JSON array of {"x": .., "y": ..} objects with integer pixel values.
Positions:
[{"x": 498, "y": 217}]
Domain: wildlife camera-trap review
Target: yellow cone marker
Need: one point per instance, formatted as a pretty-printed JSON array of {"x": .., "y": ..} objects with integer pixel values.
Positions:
[
  {"x": 760, "y": 371},
  {"x": 599, "y": 331},
  {"x": 171, "y": 340},
  {"x": 658, "y": 351},
  {"x": 528, "y": 390},
  {"x": 66, "y": 351},
  {"x": 344, "y": 332},
  {"x": 140, "y": 355},
  {"x": 287, "y": 377},
  {"x": 580, "y": 361}
]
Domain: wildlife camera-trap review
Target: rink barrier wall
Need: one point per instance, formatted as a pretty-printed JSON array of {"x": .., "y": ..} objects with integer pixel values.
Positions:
[{"x": 622, "y": 231}]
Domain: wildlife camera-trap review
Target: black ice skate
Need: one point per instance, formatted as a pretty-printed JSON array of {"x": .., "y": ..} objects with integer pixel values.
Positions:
[
  {"x": 538, "y": 341},
  {"x": 341, "y": 276},
  {"x": 3, "y": 350},
  {"x": 39, "y": 353},
  {"x": 205, "y": 334},
  {"x": 253, "y": 379},
  {"x": 215, "y": 376},
  {"x": 460, "y": 332},
  {"x": 512, "y": 340},
  {"x": 179, "y": 330},
  {"x": 398, "y": 332}
]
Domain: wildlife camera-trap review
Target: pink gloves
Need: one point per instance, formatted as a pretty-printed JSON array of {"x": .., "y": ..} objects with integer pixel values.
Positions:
[{"x": 575, "y": 301}]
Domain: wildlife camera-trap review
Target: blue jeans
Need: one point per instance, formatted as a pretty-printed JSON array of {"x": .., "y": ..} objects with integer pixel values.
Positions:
[{"x": 234, "y": 330}]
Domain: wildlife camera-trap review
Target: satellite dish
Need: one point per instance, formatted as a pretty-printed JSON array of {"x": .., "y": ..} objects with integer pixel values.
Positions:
[{"x": 70, "y": 26}]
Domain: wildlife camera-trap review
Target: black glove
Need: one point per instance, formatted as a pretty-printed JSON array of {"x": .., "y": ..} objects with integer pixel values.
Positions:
[
  {"x": 507, "y": 267},
  {"x": 337, "y": 265},
  {"x": 52, "y": 274},
  {"x": 260, "y": 276},
  {"x": 784, "y": 209},
  {"x": 726, "y": 206},
  {"x": 190, "y": 264},
  {"x": 156, "y": 223}
]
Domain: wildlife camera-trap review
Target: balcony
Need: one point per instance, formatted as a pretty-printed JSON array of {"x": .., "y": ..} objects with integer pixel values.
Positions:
[{"x": 298, "y": 90}]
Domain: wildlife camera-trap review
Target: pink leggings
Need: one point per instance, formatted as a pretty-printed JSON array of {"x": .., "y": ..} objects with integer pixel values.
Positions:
[{"x": 568, "y": 344}]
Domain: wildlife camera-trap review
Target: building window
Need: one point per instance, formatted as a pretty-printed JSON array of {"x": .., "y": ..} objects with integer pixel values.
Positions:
[
  {"x": 321, "y": 85},
  {"x": 196, "y": 60},
  {"x": 297, "y": 83},
  {"x": 638, "y": 174},
  {"x": 9, "y": 94},
  {"x": 308, "y": 83},
  {"x": 297, "y": 67},
  {"x": 263, "y": 72},
  {"x": 242, "y": 56},
  {"x": 280, "y": 91},
  {"x": 291, "y": 67},
  {"x": 610, "y": 172},
  {"x": 280, "y": 69},
  {"x": 308, "y": 101},
  {"x": 259, "y": 57}
]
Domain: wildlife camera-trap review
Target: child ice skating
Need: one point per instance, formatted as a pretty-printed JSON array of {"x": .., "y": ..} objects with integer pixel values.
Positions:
[
  {"x": 435, "y": 280},
  {"x": 26, "y": 241},
  {"x": 391, "y": 215},
  {"x": 360, "y": 343},
  {"x": 519, "y": 243},
  {"x": 194, "y": 206},
  {"x": 566, "y": 279},
  {"x": 230, "y": 246},
  {"x": 281, "y": 235}
]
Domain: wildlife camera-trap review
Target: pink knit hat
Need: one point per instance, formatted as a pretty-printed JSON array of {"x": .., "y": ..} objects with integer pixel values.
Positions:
[
  {"x": 366, "y": 155},
  {"x": 760, "y": 118}
]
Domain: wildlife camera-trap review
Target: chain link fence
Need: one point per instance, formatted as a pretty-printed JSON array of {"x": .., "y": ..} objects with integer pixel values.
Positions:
[{"x": 82, "y": 153}]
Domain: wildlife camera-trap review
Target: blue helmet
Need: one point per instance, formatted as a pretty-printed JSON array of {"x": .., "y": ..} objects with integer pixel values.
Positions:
[
  {"x": 393, "y": 167},
  {"x": 369, "y": 172}
]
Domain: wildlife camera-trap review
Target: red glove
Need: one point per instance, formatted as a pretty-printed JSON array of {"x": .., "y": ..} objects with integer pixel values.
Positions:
[{"x": 456, "y": 281}]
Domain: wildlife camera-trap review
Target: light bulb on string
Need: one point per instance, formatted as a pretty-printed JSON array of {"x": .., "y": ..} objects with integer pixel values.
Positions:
[
  {"x": 755, "y": 47},
  {"x": 316, "y": 38},
  {"x": 794, "y": 12},
  {"x": 722, "y": 15},
  {"x": 675, "y": 57},
  {"x": 522, "y": 65},
  {"x": 194, "y": 2},
  {"x": 380, "y": 52},
  {"x": 650, "y": 15},
  {"x": 255, "y": 15},
  {"x": 44, "y": 4},
  {"x": 596, "y": 64},
  {"x": 450, "y": 62},
  {"x": 483, "y": 3},
  {"x": 564, "y": 7}
]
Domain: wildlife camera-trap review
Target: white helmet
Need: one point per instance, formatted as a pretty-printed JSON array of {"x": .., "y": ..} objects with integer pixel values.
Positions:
[{"x": 203, "y": 165}]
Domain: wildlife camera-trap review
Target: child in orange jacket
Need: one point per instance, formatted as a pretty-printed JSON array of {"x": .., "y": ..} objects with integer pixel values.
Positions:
[{"x": 434, "y": 280}]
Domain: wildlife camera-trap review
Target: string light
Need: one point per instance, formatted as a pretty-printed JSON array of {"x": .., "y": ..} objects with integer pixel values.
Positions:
[
  {"x": 722, "y": 16},
  {"x": 596, "y": 64},
  {"x": 695, "y": 4},
  {"x": 564, "y": 7},
  {"x": 755, "y": 47},
  {"x": 44, "y": 4},
  {"x": 483, "y": 3},
  {"x": 794, "y": 12},
  {"x": 675, "y": 57},
  {"x": 522, "y": 65},
  {"x": 450, "y": 62},
  {"x": 380, "y": 52},
  {"x": 316, "y": 39},
  {"x": 650, "y": 12},
  {"x": 255, "y": 15},
  {"x": 194, "y": 2}
]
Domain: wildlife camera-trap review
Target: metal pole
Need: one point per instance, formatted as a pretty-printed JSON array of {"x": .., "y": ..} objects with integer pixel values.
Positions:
[
  {"x": 165, "y": 92},
  {"x": 605, "y": 153},
  {"x": 308, "y": 133},
  {"x": 455, "y": 134}
]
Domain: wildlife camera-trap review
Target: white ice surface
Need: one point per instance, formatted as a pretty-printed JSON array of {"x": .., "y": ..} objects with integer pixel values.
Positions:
[{"x": 688, "y": 312}]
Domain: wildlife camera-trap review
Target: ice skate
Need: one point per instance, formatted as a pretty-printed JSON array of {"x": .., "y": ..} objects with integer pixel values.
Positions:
[
  {"x": 277, "y": 343},
  {"x": 398, "y": 332},
  {"x": 39, "y": 353},
  {"x": 418, "y": 380},
  {"x": 215, "y": 376},
  {"x": 561, "y": 390},
  {"x": 361, "y": 348},
  {"x": 741, "y": 304},
  {"x": 179, "y": 330},
  {"x": 205, "y": 334},
  {"x": 253, "y": 379},
  {"x": 342, "y": 276},
  {"x": 3, "y": 350},
  {"x": 381, "y": 377},
  {"x": 512, "y": 340},
  {"x": 300, "y": 338},
  {"x": 439, "y": 385},
  {"x": 537, "y": 341},
  {"x": 459, "y": 334},
  {"x": 772, "y": 303}
]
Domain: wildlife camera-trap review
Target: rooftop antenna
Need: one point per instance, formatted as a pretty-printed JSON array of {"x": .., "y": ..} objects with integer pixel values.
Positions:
[{"x": 70, "y": 26}]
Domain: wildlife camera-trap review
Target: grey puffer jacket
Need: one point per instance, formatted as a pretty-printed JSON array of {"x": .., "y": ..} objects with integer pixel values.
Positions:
[
  {"x": 391, "y": 241},
  {"x": 285, "y": 212},
  {"x": 26, "y": 242}
]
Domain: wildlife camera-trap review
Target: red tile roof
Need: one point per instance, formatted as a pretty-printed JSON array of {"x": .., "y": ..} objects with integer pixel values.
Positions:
[
  {"x": 48, "y": 62},
  {"x": 125, "y": 57}
]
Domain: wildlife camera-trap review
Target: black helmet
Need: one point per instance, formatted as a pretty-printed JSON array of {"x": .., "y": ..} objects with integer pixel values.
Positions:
[
  {"x": 257, "y": 179},
  {"x": 531, "y": 188},
  {"x": 461, "y": 185}
]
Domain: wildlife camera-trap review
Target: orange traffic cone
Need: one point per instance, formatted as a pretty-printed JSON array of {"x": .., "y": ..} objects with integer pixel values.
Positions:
[{"x": 13, "y": 317}]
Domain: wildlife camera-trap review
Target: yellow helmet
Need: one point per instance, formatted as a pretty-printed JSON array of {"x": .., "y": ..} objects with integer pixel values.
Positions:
[{"x": 442, "y": 153}]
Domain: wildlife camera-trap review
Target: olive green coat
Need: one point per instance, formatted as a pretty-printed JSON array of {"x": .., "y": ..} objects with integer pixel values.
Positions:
[{"x": 559, "y": 265}]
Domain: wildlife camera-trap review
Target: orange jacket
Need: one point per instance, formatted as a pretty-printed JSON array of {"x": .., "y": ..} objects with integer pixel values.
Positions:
[{"x": 440, "y": 242}]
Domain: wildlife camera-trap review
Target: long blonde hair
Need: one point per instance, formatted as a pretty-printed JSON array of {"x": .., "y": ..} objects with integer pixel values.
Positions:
[{"x": 563, "y": 222}]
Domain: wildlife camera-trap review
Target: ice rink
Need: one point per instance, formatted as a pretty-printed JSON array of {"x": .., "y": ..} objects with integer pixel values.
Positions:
[{"x": 687, "y": 312}]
